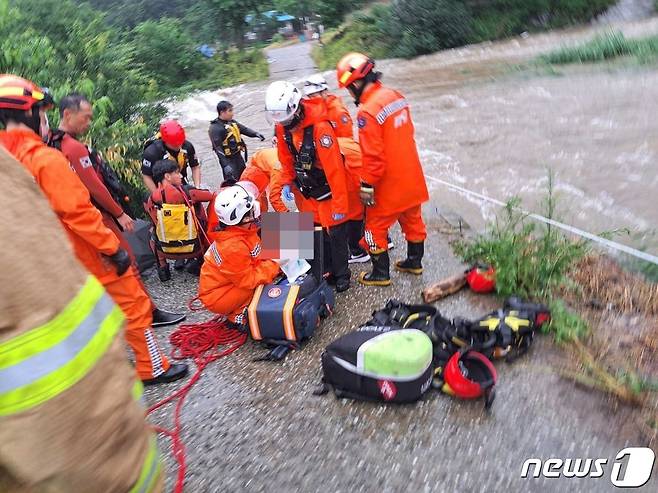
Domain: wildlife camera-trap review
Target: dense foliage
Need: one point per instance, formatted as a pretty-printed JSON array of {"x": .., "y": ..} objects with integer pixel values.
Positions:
[{"x": 409, "y": 28}]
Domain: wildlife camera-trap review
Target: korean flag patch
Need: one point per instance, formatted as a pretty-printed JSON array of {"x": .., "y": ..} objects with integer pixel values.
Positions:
[{"x": 85, "y": 162}]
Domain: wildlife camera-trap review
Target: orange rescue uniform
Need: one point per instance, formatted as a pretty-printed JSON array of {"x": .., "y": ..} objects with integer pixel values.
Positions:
[
  {"x": 90, "y": 239},
  {"x": 391, "y": 164},
  {"x": 232, "y": 270},
  {"x": 339, "y": 117},
  {"x": 328, "y": 158},
  {"x": 267, "y": 160}
]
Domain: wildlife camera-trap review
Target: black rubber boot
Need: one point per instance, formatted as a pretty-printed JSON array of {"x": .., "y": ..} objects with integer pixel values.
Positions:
[
  {"x": 412, "y": 264},
  {"x": 175, "y": 372},
  {"x": 162, "y": 318},
  {"x": 194, "y": 266},
  {"x": 164, "y": 273},
  {"x": 339, "y": 255},
  {"x": 179, "y": 263},
  {"x": 380, "y": 275}
]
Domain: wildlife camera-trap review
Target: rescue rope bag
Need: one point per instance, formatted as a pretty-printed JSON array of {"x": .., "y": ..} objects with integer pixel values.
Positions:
[
  {"x": 378, "y": 363},
  {"x": 310, "y": 179},
  {"x": 176, "y": 229}
]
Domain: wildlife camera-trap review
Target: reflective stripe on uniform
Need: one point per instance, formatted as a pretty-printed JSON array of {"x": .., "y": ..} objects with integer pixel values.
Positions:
[
  {"x": 150, "y": 470},
  {"x": 47, "y": 360}
]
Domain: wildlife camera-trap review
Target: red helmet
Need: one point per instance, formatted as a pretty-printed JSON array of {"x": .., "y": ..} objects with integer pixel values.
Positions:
[
  {"x": 481, "y": 278},
  {"x": 17, "y": 93},
  {"x": 353, "y": 67},
  {"x": 469, "y": 375},
  {"x": 172, "y": 133}
]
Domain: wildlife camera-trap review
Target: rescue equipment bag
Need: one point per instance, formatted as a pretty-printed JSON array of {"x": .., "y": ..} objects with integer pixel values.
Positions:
[
  {"x": 285, "y": 314},
  {"x": 176, "y": 229},
  {"x": 378, "y": 363},
  {"x": 310, "y": 179}
]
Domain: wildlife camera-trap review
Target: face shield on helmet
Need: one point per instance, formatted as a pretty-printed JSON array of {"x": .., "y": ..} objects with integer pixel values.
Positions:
[
  {"x": 234, "y": 203},
  {"x": 282, "y": 102},
  {"x": 315, "y": 84},
  {"x": 20, "y": 95}
]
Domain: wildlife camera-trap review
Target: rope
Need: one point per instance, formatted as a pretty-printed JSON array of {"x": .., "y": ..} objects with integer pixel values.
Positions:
[
  {"x": 201, "y": 342},
  {"x": 571, "y": 229}
]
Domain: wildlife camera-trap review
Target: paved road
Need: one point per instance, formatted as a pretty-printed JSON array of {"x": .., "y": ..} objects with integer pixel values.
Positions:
[{"x": 291, "y": 62}]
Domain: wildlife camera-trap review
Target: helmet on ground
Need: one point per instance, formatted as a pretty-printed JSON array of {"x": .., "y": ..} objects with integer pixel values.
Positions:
[
  {"x": 282, "y": 100},
  {"x": 172, "y": 134},
  {"x": 21, "y": 94},
  {"x": 481, "y": 278},
  {"x": 314, "y": 84},
  {"x": 353, "y": 67},
  {"x": 233, "y": 203},
  {"x": 469, "y": 375}
]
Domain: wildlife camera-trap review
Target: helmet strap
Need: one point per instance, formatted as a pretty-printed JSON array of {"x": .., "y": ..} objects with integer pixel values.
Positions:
[
  {"x": 296, "y": 120},
  {"x": 357, "y": 90}
]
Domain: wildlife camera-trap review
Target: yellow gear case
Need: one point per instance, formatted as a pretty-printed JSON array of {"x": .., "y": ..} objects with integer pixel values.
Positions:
[{"x": 176, "y": 229}]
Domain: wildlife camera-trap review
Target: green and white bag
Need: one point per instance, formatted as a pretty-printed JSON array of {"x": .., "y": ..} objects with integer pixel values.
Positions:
[{"x": 379, "y": 363}]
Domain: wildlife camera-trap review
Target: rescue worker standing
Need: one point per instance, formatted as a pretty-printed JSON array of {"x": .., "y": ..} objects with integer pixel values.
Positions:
[
  {"x": 316, "y": 86},
  {"x": 311, "y": 159},
  {"x": 170, "y": 143},
  {"x": 226, "y": 139},
  {"x": 76, "y": 114},
  {"x": 392, "y": 181},
  {"x": 23, "y": 114},
  {"x": 69, "y": 413}
]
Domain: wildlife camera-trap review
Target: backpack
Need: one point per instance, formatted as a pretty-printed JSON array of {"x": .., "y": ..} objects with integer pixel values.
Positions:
[
  {"x": 108, "y": 175},
  {"x": 379, "y": 363},
  {"x": 176, "y": 229}
]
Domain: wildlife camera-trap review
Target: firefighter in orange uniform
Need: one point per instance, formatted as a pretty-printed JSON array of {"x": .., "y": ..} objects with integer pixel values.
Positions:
[
  {"x": 23, "y": 114},
  {"x": 392, "y": 181},
  {"x": 76, "y": 114},
  {"x": 316, "y": 86},
  {"x": 233, "y": 267},
  {"x": 267, "y": 160},
  {"x": 311, "y": 159}
]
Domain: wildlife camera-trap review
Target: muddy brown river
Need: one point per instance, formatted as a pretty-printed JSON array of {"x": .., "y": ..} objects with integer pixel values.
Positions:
[{"x": 491, "y": 127}]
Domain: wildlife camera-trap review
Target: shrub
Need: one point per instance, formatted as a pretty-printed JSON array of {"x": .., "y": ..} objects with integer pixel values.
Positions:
[{"x": 426, "y": 26}]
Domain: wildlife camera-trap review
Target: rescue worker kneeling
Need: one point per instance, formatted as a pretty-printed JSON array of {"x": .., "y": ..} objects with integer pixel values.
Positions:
[
  {"x": 233, "y": 267},
  {"x": 172, "y": 191}
]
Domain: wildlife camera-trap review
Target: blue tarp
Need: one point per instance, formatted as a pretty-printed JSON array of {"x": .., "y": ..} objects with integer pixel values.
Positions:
[
  {"x": 207, "y": 51},
  {"x": 279, "y": 16}
]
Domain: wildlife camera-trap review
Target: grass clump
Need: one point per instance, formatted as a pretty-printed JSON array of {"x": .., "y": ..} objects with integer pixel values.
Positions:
[
  {"x": 608, "y": 46},
  {"x": 532, "y": 260}
]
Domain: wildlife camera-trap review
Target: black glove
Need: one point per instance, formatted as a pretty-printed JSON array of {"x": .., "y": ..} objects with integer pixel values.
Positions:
[
  {"x": 261, "y": 137},
  {"x": 120, "y": 260}
]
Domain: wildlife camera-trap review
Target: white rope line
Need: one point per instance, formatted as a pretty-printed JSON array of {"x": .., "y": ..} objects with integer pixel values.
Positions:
[{"x": 592, "y": 237}]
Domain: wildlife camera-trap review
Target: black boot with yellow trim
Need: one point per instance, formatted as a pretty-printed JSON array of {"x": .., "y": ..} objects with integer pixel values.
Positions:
[
  {"x": 412, "y": 264},
  {"x": 380, "y": 275}
]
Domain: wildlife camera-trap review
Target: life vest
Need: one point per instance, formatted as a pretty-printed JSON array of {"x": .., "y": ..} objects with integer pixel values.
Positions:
[
  {"x": 176, "y": 227},
  {"x": 181, "y": 158},
  {"x": 233, "y": 143},
  {"x": 310, "y": 179}
]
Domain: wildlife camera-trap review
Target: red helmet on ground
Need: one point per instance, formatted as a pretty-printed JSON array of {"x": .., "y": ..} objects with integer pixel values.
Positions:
[
  {"x": 469, "y": 375},
  {"x": 21, "y": 94},
  {"x": 353, "y": 67},
  {"x": 172, "y": 133},
  {"x": 481, "y": 278}
]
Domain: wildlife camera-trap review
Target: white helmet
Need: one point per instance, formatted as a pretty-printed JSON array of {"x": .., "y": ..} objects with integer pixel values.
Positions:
[
  {"x": 233, "y": 203},
  {"x": 282, "y": 101},
  {"x": 314, "y": 84}
]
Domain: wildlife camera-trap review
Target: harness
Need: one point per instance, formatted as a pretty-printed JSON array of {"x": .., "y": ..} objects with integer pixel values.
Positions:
[
  {"x": 233, "y": 143},
  {"x": 181, "y": 158},
  {"x": 310, "y": 179},
  {"x": 109, "y": 177}
]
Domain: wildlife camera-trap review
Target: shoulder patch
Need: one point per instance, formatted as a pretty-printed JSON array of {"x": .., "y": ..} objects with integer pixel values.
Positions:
[
  {"x": 85, "y": 162},
  {"x": 326, "y": 140},
  {"x": 345, "y": 119},
  {"x": 361, "y": 122}
]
